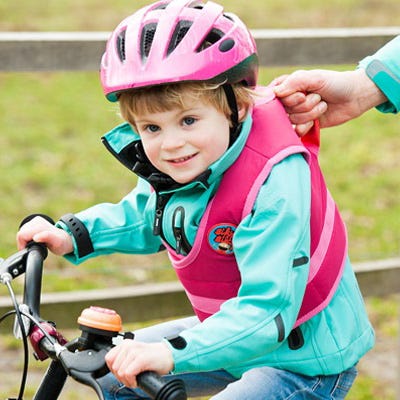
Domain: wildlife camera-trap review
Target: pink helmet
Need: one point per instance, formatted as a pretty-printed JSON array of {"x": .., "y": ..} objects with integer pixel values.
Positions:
[{"x": 178, "y": 40}]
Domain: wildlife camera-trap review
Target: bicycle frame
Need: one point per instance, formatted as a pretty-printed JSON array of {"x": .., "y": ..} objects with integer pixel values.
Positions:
[{"x": 83, "y": 357}]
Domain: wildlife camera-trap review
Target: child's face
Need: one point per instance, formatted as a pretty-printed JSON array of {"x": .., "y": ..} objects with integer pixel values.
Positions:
[{"x": 183, "y": 143}]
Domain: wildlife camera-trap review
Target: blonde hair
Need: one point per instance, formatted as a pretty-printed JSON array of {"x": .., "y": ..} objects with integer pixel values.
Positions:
[{"x": 162, "y": 98}]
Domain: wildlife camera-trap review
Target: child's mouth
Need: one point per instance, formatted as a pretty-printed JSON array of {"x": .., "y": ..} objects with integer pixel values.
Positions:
[{"x": 182, "y": 159}]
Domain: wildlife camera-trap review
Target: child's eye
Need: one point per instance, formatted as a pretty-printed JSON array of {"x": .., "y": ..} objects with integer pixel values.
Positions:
[
  {"x": 188, "y": 120},
  {"x": 151, "y": 128}
]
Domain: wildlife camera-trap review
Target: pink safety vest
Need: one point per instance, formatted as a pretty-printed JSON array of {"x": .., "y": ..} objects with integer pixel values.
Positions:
[{"x": 209, "y": 273}]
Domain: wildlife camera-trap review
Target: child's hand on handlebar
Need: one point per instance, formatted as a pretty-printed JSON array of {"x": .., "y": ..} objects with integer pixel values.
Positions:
[
  {"x": 129, "y": 358},
  {"x": 39, "y": 230}
]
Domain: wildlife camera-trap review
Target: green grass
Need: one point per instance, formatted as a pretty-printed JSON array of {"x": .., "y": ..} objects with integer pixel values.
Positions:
[
  {"x": 61, "y": 15},
  {"x": 366, "y": 388}
]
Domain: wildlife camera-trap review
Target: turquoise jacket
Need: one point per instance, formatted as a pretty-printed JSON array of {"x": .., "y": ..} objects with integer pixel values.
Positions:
[
  {"x": 383, "y": 68},
  {"x": 244, "y": 333}
]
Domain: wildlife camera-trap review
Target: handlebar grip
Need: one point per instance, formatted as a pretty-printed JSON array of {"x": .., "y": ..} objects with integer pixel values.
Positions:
[
  {"x": 52, "y": 383},
  {"x": 158, "y": 389},
  {"x": 37, "y": 246}
]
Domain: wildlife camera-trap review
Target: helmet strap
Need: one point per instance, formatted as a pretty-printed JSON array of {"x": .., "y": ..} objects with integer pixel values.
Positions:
[{"x": 231, "y": 98}]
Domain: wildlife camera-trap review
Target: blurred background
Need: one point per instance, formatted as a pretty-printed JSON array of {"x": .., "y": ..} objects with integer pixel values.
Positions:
[{"x": 52, "y": 160}]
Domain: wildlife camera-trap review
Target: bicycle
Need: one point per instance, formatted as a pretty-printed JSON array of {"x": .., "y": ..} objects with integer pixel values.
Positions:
[{"x": 81, "y": 358}]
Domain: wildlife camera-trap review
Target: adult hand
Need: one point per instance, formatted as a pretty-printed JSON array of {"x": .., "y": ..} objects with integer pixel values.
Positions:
[{"x": 330, "y": 96}]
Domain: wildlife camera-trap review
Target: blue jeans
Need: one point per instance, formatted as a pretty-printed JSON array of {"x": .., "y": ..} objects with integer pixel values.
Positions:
[{"x": 256, "y": 384}]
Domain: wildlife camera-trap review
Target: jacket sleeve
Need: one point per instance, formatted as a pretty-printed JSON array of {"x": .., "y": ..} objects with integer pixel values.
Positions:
[
  {"x": 383, "y": 68},
  {"x": 266, "y": 243},
  {"x": 124, "y": 227}
]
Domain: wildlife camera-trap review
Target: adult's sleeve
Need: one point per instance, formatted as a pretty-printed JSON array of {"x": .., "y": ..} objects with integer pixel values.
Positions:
[{"x": 383, "y": 68}]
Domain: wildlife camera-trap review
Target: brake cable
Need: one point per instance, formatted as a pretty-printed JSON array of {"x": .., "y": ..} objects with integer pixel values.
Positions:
[{"x": 17, "y": 311}]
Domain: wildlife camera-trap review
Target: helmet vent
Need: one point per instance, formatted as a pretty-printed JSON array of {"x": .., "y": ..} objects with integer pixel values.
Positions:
[
  {"x": 199, "y": 4},
  {"x": 146, "y": 41},
  {"x": 180, "y": 31},
  {"x": 161, "y": 7},
  {"x": 121, "y": 46},
  {"x": 229, "y": 17},
  {"x": 213, "y": 37}
]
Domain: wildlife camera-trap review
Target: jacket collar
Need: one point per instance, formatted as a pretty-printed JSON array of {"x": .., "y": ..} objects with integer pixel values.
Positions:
[{"x": 125, "y": 144}]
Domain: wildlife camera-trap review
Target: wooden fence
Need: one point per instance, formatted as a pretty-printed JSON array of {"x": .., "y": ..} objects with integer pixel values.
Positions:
[{"x": 44, "y": 51}]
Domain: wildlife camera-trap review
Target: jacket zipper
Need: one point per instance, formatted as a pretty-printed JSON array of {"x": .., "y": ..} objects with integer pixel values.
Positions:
[
  {"x": 161, "y": 202},
  {"x": 182, "y": 245}
]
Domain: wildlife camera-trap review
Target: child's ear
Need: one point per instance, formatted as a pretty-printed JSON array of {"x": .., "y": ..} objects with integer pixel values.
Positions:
[{"x": 242, "y": 111}]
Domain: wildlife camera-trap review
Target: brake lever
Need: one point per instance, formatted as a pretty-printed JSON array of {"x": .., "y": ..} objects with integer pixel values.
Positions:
[
  {"x": 13, "y": 266},
  {"x": 84, "y": 366}
]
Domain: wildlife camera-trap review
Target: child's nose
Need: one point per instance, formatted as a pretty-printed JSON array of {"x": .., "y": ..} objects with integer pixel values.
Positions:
[{"x": 172, "y": 139}]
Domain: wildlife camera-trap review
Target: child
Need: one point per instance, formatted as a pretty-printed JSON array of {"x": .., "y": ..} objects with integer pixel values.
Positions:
[{"x": 239, "y": 203}]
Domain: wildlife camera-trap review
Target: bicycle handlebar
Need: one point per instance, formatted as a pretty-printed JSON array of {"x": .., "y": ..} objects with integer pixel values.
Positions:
[
  {"x": 153, "y": 384},
  {"x": 88, "y": 364},
  {"x": 83, "y": 358},
  {"x": 53, "y": 382},
  {"x": 37, "y": 253}
]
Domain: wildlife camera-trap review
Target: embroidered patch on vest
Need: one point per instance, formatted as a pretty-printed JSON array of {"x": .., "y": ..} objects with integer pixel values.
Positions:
[{"x": 220, "y": 238}]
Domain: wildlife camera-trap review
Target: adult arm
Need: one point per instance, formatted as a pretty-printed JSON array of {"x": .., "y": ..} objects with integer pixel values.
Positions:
[{"x": 336, "y": 97}]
